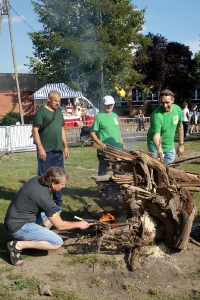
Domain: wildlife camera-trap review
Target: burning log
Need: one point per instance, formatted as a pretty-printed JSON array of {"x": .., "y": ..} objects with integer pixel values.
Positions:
[{"x": 157, "y": 198}]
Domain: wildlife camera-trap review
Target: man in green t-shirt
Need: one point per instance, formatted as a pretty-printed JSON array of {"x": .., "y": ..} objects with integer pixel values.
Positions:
[
  {"x": 164, "y": 121},
  {"x": 52, "y": 141},
  {"x": 105, "y": 131}
]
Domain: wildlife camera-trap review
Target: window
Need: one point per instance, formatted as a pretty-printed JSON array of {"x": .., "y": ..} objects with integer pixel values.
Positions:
[
  {"x": 195, "y": 94},
  {"x": 137, "y": 95}
]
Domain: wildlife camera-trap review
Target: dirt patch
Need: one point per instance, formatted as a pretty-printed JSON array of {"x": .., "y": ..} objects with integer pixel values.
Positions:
[{"x": 159, "y": 271}]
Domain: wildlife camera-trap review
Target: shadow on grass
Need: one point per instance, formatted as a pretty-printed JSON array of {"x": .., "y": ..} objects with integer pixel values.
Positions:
[
  {"x": 6, "y": 194},
  {"x": 78, "y": 194},
  {"x": 194, "y": 163},
  {"x": 5, "y": 238}
]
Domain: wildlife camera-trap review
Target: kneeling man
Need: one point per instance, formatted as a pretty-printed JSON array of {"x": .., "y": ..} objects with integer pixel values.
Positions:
[{"x": 23, "y": 216}]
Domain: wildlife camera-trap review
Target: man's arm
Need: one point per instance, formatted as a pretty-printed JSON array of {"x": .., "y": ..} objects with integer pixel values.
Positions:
[
  {"x": 157, "y": 140},
  {"x": 41, "y": 152},
  {"x": 59, "y": 224},
  {"x": 180, "y": 149},
  {"x": 123, "y": 145},
  {"x": 64, "y": 140},
  {"x": 96, "y": 140}
]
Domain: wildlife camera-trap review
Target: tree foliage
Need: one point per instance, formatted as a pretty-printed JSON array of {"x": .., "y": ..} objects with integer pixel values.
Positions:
[
  {"x": 169, "y": 65},
  {"x": 87, "y": 42},
  {"x": 197, "y": 70},
  {"x": 11, "y": 118}
]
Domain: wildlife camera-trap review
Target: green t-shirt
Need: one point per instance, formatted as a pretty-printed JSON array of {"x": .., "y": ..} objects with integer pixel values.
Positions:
[
  {"x": 165, "y": 124},
  {"x": 51, "y": 137},
  {"x": 107, "y": 129}
]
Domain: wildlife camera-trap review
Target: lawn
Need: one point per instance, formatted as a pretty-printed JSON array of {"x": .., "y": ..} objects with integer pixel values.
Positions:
[
  {"x": 81, "y": 189},
  {"x": 17, "y": 168}
]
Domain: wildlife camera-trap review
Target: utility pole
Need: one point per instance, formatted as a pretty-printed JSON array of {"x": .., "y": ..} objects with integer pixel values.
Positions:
[{"x": 5, "y": 11}]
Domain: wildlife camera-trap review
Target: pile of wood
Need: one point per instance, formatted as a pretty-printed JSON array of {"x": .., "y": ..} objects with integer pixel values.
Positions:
[
  {"x": 158, "y": 202},
  {"x": 120, "y": 179}
]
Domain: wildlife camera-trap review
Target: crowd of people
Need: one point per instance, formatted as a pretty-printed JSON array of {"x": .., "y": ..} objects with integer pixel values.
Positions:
[{"x": 37, "y": 206}]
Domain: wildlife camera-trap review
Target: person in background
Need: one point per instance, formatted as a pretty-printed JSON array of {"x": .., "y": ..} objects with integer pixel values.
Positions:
[
  {"x": 105, "y": 131},
  {"x": 62, "y": 109},
  {"x": 164, "y": 121},
  {"x": 185, "y": 112},
  {"x": 69, "y": 108},
  {"x": 140, "y": 120},
  {"x": 77, "y": 109},
  {"x": 194, "y": 119},
  {"x": 52, "y": 141},
  {"x": 23, "y": 216}
]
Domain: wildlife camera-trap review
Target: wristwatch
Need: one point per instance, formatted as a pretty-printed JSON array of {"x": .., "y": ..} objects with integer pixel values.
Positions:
[{"x": 181, "y": 143}]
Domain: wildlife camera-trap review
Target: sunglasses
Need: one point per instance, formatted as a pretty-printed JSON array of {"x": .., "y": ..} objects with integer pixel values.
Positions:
[{"x": 166, "y": 94}]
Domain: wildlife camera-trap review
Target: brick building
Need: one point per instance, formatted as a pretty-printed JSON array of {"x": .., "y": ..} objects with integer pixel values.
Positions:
[{"x": 28, "y": 84}]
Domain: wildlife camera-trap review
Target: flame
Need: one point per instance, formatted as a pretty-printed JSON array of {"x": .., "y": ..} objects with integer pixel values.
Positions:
[{"x": 107, "y": 217}]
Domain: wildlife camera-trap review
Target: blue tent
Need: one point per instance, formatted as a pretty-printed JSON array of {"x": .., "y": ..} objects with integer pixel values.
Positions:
[{"x": 62, "y": 88}]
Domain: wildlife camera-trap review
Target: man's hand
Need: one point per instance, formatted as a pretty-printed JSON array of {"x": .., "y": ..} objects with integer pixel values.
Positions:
[
  {"x": 66, "y": 152},
  {"x": 101, "y": 144},
  {"x": 42, "y": 154},
  {"x": 160, "y": 155},
  {"x": 83, "y": 225},
  {"x": 96, "y": 140},
  {"x": 180, "y": 150}
]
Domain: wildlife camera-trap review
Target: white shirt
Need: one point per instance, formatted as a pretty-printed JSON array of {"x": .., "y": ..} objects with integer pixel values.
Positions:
[
  {"x": 185, "y": 112},
  {"x": 78, "y": 111}
]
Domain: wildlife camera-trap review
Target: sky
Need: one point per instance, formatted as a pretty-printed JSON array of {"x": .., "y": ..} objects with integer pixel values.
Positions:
[{"x": 176, "y": 20}]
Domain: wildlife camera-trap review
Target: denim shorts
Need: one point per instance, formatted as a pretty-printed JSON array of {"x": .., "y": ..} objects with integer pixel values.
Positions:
[
  {"x": 169, "y": 156},
  {"x": 35, "y": 232}
]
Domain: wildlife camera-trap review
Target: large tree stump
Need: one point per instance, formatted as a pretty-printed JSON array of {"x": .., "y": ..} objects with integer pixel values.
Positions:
[{"x": 155, "y": 192}]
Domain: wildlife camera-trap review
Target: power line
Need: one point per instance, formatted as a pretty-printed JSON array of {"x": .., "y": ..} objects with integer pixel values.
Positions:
[
  {"x": 0, "y": 23},
  {"x": 22, "y": 18},
  {"x": 6, "y": 11}
]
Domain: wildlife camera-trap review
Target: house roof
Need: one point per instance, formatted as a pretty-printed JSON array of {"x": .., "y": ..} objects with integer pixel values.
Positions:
[
  {"x": 27, "y": 82},
  {"x": 62, "y": 88}
]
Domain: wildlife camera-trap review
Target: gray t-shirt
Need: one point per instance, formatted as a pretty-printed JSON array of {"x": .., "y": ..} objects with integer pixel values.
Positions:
[{"x": 32, "y": 199}]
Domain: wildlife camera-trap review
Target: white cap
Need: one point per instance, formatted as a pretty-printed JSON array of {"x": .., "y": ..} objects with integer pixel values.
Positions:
[{"x": 108, "y": 100}]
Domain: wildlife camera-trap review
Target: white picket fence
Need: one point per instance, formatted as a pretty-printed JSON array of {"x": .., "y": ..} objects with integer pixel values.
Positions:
[{"x": 16, "y": 138}]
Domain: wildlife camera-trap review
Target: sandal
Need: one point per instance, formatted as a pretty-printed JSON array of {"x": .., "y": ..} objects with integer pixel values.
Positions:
[{"x": 12, "y": 250}]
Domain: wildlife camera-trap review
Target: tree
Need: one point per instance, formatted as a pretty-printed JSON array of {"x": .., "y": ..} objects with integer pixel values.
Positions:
[
  {"x": 170, "y": 65},
  {"x": 180, "y": 69},
  {"x": 154, "y": 67},
  {"x": 87, "y": 42},
  {"x": 11, "y": 118},
  {"x": 197, "y": 71}
]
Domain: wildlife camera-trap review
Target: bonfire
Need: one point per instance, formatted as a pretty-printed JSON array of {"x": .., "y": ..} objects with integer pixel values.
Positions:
[{"x": 157, "y": 198}]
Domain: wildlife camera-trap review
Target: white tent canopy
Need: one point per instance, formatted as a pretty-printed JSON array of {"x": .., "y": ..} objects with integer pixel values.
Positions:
[{"x": 62, "y": 88}]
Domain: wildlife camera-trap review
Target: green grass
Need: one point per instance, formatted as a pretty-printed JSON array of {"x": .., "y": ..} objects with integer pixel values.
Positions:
[
  {"x": 96, "y": 282},
  {"x": 30, "y": 283},
  {"x": 90, "y": 260},
  {"x": 81, "y": 190},
  {"x": 128, "y": 286},
  {"x": 196, "y": 275}
]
